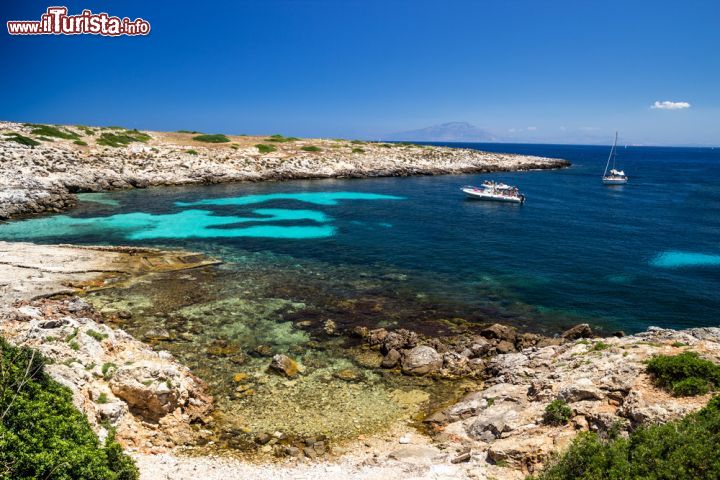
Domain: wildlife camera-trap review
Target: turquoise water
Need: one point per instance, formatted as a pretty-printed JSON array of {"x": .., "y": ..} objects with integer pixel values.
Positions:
[{"x": 619, "y": 257}]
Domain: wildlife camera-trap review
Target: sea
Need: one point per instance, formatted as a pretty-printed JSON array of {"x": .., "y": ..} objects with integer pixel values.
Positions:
[{"x": 412, "y": 250}]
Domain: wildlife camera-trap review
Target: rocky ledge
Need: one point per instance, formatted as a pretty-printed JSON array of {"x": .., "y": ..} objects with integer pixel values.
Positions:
[
  {"x": 41, "y": 174},
  {"x": 150, "y": 399}
]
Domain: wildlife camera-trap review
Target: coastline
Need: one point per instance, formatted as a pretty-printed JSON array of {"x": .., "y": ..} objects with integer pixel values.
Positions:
[
  {"x": 157, "y": 405},
  {"x": 496, "y": 430},
  {"x": 46, "y": 177}
]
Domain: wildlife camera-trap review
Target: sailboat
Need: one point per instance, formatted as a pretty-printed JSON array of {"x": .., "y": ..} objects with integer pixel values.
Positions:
[{"x": 615, "y": 177}]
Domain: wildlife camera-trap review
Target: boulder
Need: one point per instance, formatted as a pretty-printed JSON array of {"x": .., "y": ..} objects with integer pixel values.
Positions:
[
  {"x": 499, "y": 332},
  {"x": 391, "y": 359},
  {"x": 421, "y": 360},
  {"x": 285, "y": 366},
  {"x": 582, "y": 330},
  {"x": 494, "y": 421},
  {"x": 581, "y": 389},
  {"x": 154, "y": 389}
]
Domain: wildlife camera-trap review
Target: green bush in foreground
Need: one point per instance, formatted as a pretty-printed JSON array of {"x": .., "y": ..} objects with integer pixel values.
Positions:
[
  {"x": 80, "y": 142},
  {"x": 685, "y": 449},
  {"x": 42, "y": 435},
  {"x": 557, "y": 413},
  {"x": 311, "y": 148},
  {"x": 262, "y": 148},
  {"x": 22, "y": 140},
  {"x": 684, "y": 374},
  {"x": 215, "y": 138}
]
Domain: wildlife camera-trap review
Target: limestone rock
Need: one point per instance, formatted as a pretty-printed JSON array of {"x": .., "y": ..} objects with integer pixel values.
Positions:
[
  {"x": 421, "y": 360},
  {"x": 582, "y": 330}
]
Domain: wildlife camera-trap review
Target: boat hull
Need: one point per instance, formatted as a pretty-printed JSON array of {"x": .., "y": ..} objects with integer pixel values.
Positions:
[
  {"x": 489, "y": 197},
  {"x": 615, "y": 181}
]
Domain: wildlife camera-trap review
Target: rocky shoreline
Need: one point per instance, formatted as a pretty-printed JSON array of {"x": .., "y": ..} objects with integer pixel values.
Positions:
[
  {"x": 497, "y": 430},
  {"x": 44, "y": 178}
]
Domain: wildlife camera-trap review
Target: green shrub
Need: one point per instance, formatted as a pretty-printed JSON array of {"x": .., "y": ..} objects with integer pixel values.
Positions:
[
  {"x": 690, "y": 386},
  {"x": 311, "y": 148},
  {"x": 80, "y": 142},
  {"x": 107, "y": 369},
  {"x": 216, "y": 138},
  {"x": 358, "y": 150},
  {"x": 262, "y": 148},
  {"x": 21, "y": 139},
  {"x": 191, "y": 152},
  {"x": 96, "y": 335},
  {"x": 188, "y": 131},
  {"x": 280, "y": 139},
  {"x": 50, "y": 131},
  {"x": 685, "y": 449},
  {"x": 599, "y": 346},
  {"x": 42, "y": 435},
  {"x": 557, "y": 413},
  {"x": 122, "y": 139},
  {"x": 684, "y": 374},
  {"x": 357, "y": 142},
  {"x": 102, "y": 398},
  {"x": 86, "y": 130}
]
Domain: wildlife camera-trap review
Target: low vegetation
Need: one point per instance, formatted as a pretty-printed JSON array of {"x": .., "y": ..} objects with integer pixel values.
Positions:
[
  {"x": 188, "y": 131},
  {"x": 358, "y": 150},
  {"x": 86, "y": 130},
  {"x": 280, "y": 139},
  {"x": 262, "y": 148},
  {"x": 684, "y": 374},
  {"x": 557, "y": 413},
  {"x": 51, "y": 131},
  {"x": 42, "y": 435},
  {"x": 685, "y": 449},
  {"x": 311, "y": 148},
  {"x": 21, "y": 139},
  {"x": 80, "y": 142},
  {"x": 108, "y": 139},
  {"x": 191, "y": 152},
  {"x": 214, "y": 138}
]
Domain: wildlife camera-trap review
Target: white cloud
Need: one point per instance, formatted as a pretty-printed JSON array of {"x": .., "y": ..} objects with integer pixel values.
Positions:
[
  {"x": 667, "y": 105},
  {"x": 532, "y": 129}
]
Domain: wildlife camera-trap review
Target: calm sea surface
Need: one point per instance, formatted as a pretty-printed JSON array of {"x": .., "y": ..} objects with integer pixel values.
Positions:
[{"x": 622, "y": 258}]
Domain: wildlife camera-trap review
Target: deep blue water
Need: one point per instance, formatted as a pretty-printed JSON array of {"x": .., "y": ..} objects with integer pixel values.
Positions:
[{"x": 623, "y": 257}]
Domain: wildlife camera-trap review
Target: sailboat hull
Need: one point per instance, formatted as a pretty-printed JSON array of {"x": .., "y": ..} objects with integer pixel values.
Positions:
[{"x": 615, "y": 181}]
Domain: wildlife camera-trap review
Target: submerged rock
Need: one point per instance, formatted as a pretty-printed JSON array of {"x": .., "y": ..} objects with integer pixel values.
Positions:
[
  {"x": 392, "y": 359},
  {"x": 285, "y": 365}
]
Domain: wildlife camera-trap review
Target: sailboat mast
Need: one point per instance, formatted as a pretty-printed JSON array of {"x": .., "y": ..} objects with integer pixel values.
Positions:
[{"x": 611, "y": 156}]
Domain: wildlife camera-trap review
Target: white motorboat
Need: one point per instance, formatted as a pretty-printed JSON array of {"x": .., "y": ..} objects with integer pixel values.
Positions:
[
  {"x": 494, "y": 192},
  {"x": 614, "y": 176}
]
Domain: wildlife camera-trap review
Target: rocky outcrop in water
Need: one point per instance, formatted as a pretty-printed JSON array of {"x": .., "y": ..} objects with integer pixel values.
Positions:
[{"x": 44, "y": 178}]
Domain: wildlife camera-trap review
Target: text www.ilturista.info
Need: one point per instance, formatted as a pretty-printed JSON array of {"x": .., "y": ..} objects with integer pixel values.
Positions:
[{"x": 56, "y": 21}]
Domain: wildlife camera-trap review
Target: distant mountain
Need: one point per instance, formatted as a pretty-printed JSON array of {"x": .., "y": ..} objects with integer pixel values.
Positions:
[{"x": 445, "y": 132}]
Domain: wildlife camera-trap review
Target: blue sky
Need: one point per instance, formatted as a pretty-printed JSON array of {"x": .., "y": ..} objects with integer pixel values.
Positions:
[{"x": 545, "y": 71}]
